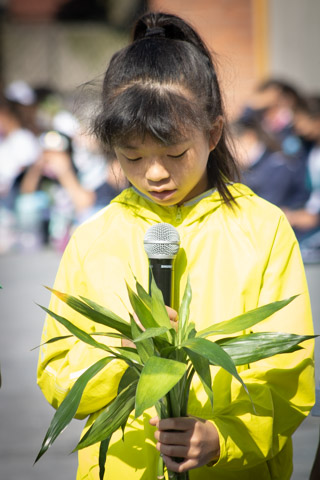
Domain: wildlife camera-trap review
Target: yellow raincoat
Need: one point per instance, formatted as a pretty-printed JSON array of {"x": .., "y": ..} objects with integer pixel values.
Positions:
[{"x": 237, "y": 259}]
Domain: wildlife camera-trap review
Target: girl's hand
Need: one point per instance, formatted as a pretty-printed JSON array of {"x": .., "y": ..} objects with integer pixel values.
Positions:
[
  {"x": 192, "y": 439},
  {"x": 173, "y": 316}
]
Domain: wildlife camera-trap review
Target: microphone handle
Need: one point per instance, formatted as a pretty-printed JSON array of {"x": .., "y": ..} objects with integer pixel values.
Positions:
[
  {"x": 162, "y": 273},
  {"x": 162, "y": 270}
]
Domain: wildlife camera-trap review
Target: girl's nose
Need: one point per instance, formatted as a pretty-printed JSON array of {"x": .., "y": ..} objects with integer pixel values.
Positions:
[{"x": 156, "y": 171}]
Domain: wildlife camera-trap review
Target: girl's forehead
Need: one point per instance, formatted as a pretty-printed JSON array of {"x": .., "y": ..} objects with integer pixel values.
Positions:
[{"x": 147, "y": 139}]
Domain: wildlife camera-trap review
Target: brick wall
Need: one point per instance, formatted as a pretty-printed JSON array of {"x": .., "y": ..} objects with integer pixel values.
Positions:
[
  {"x": 237, "y": 30},
  {"x": 234, "y": 30},
  {"x": 34, "y": 10}
]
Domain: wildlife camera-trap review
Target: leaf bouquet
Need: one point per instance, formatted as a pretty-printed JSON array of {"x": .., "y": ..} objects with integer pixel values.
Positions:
[{"x": 162, "y": 364}]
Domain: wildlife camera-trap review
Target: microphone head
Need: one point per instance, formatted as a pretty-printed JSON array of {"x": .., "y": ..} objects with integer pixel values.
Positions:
[{"x": 161, "y": 241}]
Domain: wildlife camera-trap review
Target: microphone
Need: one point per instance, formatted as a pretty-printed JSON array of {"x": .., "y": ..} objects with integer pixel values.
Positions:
[{"x": 161, "y": 244}]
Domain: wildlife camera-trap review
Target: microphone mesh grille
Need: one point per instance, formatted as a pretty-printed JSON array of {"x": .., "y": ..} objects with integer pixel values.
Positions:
[{"x": 161, "y": 241}]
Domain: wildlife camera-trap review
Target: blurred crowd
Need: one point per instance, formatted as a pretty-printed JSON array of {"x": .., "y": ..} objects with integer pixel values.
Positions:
[
  {"x": 277, "y": 140},
  {"x": 53, "y": 176}
]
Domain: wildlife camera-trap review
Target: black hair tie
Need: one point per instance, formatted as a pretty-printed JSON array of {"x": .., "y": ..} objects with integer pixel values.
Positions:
[{"x": 155, "y": 32}]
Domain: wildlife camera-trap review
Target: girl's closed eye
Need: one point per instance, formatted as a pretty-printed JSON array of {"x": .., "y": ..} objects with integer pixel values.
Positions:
[
  {"x": 179, "y": 155},
  {"x": 135, "y": 159},
  {"x": 130, "y": 155}
]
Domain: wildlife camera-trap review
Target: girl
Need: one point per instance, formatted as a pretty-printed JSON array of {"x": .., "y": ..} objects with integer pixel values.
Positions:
[{"x": 162, "y": 115}]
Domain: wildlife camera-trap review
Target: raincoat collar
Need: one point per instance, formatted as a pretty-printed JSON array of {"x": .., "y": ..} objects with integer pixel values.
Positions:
[{"x": 187, "y": 213}]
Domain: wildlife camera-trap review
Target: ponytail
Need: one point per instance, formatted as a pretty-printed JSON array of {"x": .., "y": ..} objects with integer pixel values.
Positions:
[{"x": 164, "y": 84}]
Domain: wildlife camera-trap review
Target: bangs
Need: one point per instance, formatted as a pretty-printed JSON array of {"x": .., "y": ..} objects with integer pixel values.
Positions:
[{"x": 141, "y": 109}]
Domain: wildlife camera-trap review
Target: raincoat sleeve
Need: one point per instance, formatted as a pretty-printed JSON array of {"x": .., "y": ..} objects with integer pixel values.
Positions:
[
  {"x": 281, "y": 387},
  {"x": 62, "y": 362}
]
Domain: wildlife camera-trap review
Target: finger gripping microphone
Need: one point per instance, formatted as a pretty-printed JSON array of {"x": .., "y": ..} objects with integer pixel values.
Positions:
[{"x": 162, "y": 243}]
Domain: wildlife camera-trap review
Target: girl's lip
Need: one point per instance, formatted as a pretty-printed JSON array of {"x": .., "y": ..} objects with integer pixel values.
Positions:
[{"x": 163, "y": 195}]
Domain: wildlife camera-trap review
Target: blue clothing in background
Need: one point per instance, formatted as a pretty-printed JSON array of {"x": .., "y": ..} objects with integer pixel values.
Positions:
[{"x": 278, "y": 179}]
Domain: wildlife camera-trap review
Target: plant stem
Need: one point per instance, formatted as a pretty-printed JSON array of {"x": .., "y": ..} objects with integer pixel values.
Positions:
[
  {"x": 178, "y": 476},
  {"x": 178, "y": 408}
]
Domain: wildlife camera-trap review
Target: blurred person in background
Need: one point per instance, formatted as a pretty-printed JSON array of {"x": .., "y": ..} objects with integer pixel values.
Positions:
[
  {"x": 25, "y": 100},
  {"x": 89, "y": 162},
  {"x": 306, "y": 220},
  {"x": 273, "y": 104},
  {"x": 52, "y": 190},
  {"x": 52, "y": 177},
  {"x": 265, "y": 169},
  {"x": 49, "y": 103},
  {"x": 19, "y": 148}
]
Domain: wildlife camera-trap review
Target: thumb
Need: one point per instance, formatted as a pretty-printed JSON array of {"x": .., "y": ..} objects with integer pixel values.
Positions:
[{"x": 173, "y": 314}]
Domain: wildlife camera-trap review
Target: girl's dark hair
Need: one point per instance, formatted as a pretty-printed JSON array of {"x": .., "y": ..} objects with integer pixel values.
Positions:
[{"x": 164, "y": 84}]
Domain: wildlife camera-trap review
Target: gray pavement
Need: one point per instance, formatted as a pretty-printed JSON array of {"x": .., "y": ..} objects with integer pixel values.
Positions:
[{"x": 24, "y": 413}]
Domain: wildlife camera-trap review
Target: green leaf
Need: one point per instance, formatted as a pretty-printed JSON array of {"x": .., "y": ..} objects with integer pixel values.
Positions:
[
  {"x": 151, "y": 333},
  {"x": 146, "y": 318},
  {"x": 102, "y": 334},
  {"x": 70, "y": 404},
  {"x": 215, "y": 354},
  {"x": 52, "y": 340},
  {"x": 191, "y": 330},
  {"x": 142, "y": 293},
  {"x": 175, "y": 399},
  {"x": 141, "y": 310},
  {"x": 202, "y": 367},
  {"x": 160, "y": 468},
  {"x": 97, "y": 313},
  {"x": 128, "y": 354},
  {"x": 103, "y": 310},
  {"x": 169, "y": 351},
  {"x": 77, "y": 332},
  {"x": 145, "y": 297},
  {"x": 158, "y": 376},
  {"x": 162, "y": 407},
  {"x": 103, "y": 450},
  {"x": 184, "y": 313},
  {"x": 250, "y": 348},
  {"x": 130, "y": 376},
  {"x": 111, "y": 418},
  {"x": 246, "y": 320},
  {"x": 145, "y": 347},
  {"x": 123, "y": 426},
  {"x": 184, "y": 406},
  {"x": 109, "y": 334}
]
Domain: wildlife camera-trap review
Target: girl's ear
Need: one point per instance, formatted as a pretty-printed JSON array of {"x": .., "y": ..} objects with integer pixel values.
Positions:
[{"x": 215, "y": 132}]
